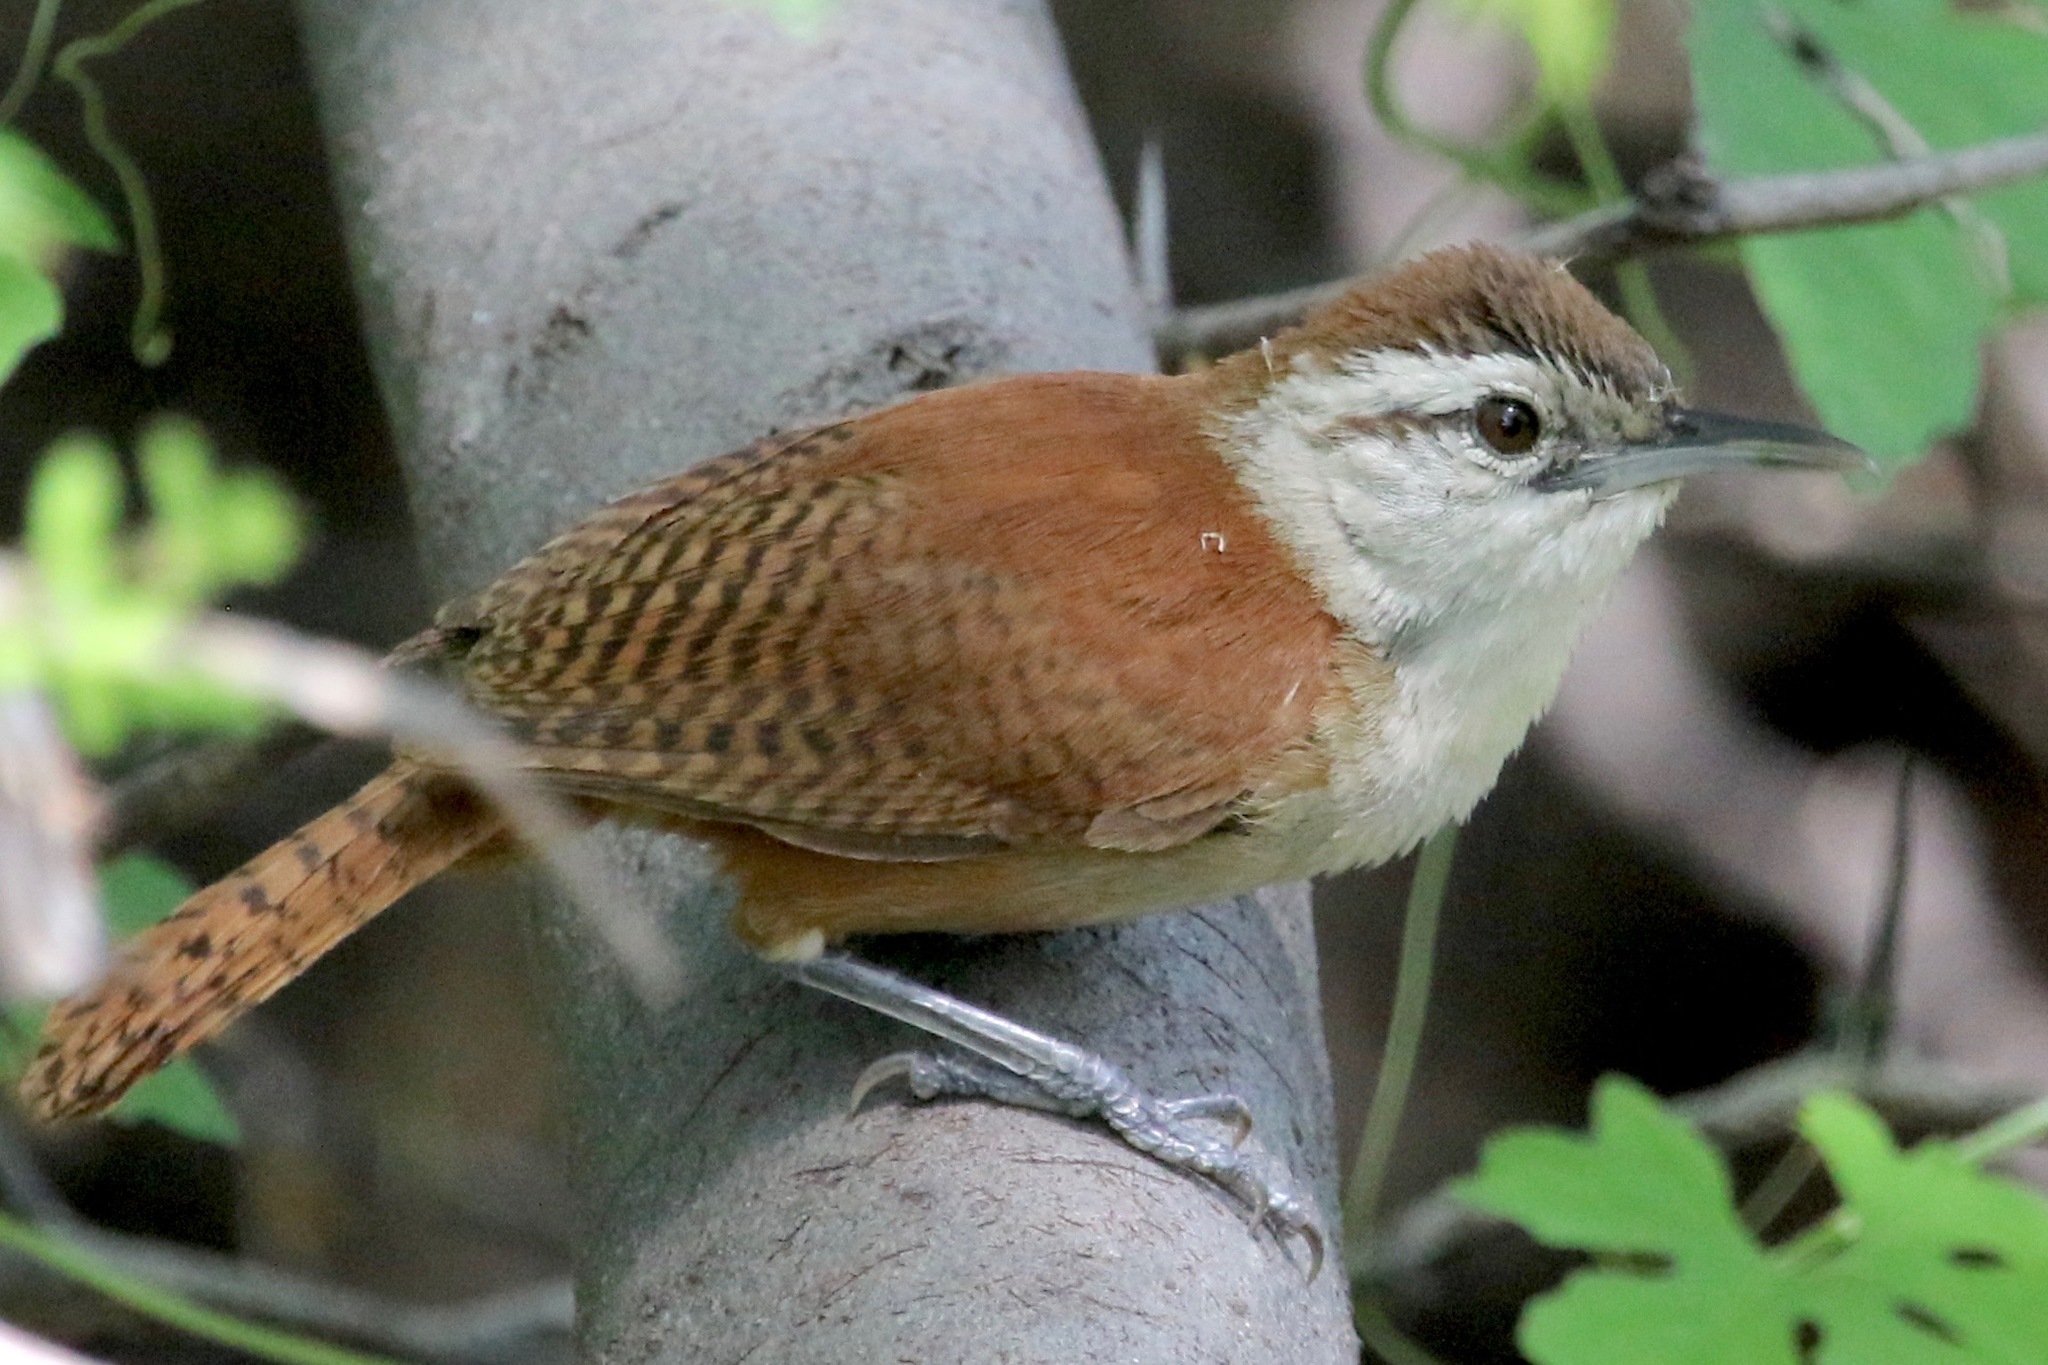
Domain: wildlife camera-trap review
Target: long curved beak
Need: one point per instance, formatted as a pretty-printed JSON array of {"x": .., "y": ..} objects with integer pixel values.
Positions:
[{"x": 1699, "y": 442}]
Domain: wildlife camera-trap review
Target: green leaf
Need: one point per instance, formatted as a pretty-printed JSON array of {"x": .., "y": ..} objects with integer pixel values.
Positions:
[
  {"x": 1644, "y": 1186},
  {"x": 137, "y": 890},
  {"x": 31, "y": 311},
  {"x": 74, "y": 507},
  {"x": 1561, "y": 1187},
  {"x": 212, "y": 529},
  {"x": 41, "y": 211},
  {"x": 1931, "y": 1259},
  {"x": 1947, "y": 1258},
  {"x": 1883, "y": 324},
  {"x": 41, "y": 214},
  {"x": 1957, "y": 79},
  {"x": 181, "y": 1099},
  {"x": 1607, "y": 1318},
  {"x": 115, "y": 603},
  {"x": 18, "y": 1031}
]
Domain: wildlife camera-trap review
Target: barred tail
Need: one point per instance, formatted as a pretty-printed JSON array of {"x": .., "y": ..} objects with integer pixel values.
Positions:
[{"x": 236, "y": 942}]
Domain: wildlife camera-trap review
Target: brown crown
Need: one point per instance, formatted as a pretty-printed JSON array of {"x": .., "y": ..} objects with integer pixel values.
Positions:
[{"x": 1469, "y": 300}]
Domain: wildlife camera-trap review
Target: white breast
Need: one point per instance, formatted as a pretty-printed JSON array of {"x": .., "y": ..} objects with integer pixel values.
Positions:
[
  {"x": 1471, "y": 583},
  {"x": 1454, "y": 714}
]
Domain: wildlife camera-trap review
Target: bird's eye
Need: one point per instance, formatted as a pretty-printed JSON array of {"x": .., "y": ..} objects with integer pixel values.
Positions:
[{"x": 1509, "y": 425}]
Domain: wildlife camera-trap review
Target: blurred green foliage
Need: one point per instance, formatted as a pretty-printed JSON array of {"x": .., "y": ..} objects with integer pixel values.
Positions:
[
  {"x": 1883, "y": 323},
  {"x": 111, "y": 602},
  {"x": 107, "y": 604},
  {"x": 42, "y": 215},
  {"x": 1571, "y": 40},
  {"x": 95, "y": 629},
  {"x": 1928, "y": 1259}
]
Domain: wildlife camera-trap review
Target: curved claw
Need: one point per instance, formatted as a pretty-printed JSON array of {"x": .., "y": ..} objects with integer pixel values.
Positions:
[
  {"x": 1284, "y": 1215},
  {"x": 1314, "y": 1239},
  {"x": 1226, "y": 1108},
  {"x": 895, "y": 1066}
]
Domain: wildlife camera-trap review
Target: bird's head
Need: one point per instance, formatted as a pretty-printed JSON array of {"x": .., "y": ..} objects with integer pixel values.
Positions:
[{"x": 1472, "y": 433}]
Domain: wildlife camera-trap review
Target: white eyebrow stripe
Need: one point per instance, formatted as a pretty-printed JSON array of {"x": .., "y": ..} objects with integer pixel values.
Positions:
[{"x": 1436, "y": 384}]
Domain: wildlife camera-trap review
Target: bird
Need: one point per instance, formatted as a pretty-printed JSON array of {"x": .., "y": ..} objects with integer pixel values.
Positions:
[{"x": 1024, "y": 654}]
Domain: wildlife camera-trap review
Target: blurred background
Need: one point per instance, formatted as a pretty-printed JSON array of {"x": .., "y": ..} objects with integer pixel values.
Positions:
[{"x": 1677, "y": 879}]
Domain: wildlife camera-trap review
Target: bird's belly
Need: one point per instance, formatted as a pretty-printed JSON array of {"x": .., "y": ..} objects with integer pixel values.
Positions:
[
  {"x": 793, "y": 901},
  {"x": 1434, "y": 747}
]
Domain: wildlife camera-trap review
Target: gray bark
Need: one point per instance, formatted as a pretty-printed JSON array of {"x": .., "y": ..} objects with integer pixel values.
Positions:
[{"x": 598, "y": 242}]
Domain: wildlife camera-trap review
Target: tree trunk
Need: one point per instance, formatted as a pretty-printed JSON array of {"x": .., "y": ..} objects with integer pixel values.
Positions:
[{"x": 598, "y": 242}]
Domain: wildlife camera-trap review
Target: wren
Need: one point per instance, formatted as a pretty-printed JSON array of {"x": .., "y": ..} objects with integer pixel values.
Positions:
[{"x": 1030, "y": 653}]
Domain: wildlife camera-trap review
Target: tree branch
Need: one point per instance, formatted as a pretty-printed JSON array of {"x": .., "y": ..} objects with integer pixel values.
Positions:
[
  {"x": 1685, "y": 208},
  {"x": 1680, "y": 206}
]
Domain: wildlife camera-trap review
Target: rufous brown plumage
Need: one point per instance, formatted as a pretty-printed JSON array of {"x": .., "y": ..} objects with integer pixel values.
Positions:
[{"x": 1028, "y": 653}]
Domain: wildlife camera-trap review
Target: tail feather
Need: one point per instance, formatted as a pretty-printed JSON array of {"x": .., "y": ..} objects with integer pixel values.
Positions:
[{"x": 236, "y": 942}]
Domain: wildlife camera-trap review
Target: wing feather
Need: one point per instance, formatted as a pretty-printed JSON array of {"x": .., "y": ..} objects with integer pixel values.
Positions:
[{"x": 916, "y": 636}]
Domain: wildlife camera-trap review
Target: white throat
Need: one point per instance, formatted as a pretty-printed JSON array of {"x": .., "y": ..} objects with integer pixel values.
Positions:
[{"x": 1473, "y": 584}]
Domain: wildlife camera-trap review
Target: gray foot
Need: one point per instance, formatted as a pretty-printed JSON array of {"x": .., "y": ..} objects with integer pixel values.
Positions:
[
  {"x": 928, "y": 1076},
  {"x": 1020, "y": 1066}
]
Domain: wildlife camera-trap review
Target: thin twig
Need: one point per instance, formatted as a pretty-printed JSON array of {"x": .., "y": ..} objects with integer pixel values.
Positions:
[
  {"x": 1675, "y": 209},
  {"x": 1763, "y": 1103},
  {"x": 490, "y": 1327},
  {"x": 1866, "y": 1026},
  {"x": 1863, "y": 1033},
  {"x": 1150, "y": 244},
  {"x": 2021, "y": 1128},
  {"x": 1691, "y": 210},
  {"x": 1215, "y": 329},
  {"x": 51, "y": 940},
  {"x": 1431, "y": 879}
]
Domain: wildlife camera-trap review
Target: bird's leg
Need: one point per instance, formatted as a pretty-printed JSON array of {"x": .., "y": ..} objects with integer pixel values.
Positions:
[{"x": 1016, "y": 1065}]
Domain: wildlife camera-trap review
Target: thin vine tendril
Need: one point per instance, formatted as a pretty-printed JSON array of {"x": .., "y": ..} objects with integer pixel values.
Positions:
[
  {"x": 148, "y": 337},
  {"x": 266, "y": 1343},
  {"x": 40, "y": 30}
]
